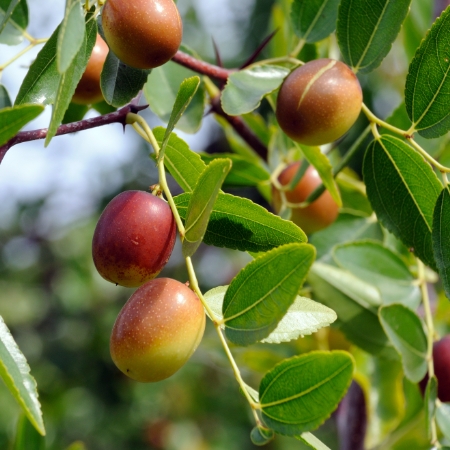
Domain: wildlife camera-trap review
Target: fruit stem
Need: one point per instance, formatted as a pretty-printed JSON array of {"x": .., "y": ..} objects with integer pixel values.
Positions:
[
  {"x": 430, "y": 335},
  {"x": 142, "y": 128}
]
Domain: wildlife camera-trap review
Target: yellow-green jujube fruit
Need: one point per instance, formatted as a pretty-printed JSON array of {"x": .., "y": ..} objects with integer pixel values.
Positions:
[
  {"x": 144, "y": 34},
  {"x": 157, "y": 330},
  {"x": 319, "y": 102}
]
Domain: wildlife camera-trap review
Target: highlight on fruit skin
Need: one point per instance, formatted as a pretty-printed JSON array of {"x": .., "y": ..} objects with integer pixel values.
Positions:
[
  {"x": 134, "y": 238},
  {"x": 319, "y": 102},
  {"x": 157, "y": 330},
  {"x": 319, "y": 214},
  {"x": 144, "y": 34},
  {"x": 88, "y": 90}
]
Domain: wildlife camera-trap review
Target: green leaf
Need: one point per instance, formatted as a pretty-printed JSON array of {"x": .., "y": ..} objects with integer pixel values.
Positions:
[
  {"x": 304, "y": 316},
  {"x": 323, "y": 166},
  {"x": 68, "y": 81},
  {"x": 310, "y": 440},
  {"x": 430, "y": 403},
  {"x": 240, "y": 224},
  {"x": 428, "y": 82},
  {"x": 42, "y": 79},
  {"x": 15, "y": 372},
  {"x": 121, "y": 83},
  {"x": 367, "y": 29},
  {"x": 347, "y": 228},
  {"x": 12, "y": 119},
  {"x": 360, "y": 324},
  {"x": 74, "y": 113},
  {"x": 70, "y": 36},
  {"x": 300, "y": 393},
  {"x": 183, "y": 164},
  {"x": 246, "y": 88},
  {"x": 5, "y": 100},
  {"x": 441, "y": 237},
  {"x": 405, "y": 331},
  {"x": 244, "y": 171},
  {"x": 187, "y": 90},
  {"x": 314, "y": 20},
  {"x": 27, "y": 438},
  {"x": 13, "y": 21},
  {"x": 391, "y": 166},
  {"x": 161, "y": 91},
  {"x": 443, "y": 418},
  {"x": 377, "y": 265},
  {"x": 260, "y": 295},
  {"x": 201, "y": 204}
]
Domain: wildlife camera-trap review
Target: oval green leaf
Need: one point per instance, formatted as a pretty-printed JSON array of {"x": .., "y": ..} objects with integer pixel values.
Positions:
[
  {"x": 240, "y": 224},
  {"x": 13, "y": 118},
  {"x": 201, "y": 204},
  {"x": 377, "y": 265},
  {"x": 121, "y": 83},
  {"x": 428, "y": 82},
  {"x": 443, "y": 418},
  {"x": 262, "y": 292},
  {"x": 314, "y": 20},
  {"x": 405, "y": 331},
  {"x": 13, "y": 21},
  {"x": 15, "y": 372},
  {"x": 5, "y": 100},
  {"x": 161, "y": 89},
  {"x": 300, "y": 393},
  {"x": 246, "y": 88},
  {"x": 402, "y": 189},
  {"x": 441, "y": 237},
  {"x": 70, "y": 36},
  {"x": 367, "y": 29}
]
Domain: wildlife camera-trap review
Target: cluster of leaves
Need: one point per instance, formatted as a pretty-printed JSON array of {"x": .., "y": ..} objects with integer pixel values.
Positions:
[{"x": 360, "y": 271}]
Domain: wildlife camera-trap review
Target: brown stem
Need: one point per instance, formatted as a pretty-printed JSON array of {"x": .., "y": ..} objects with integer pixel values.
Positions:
[
  {"x": 219, "y": 73},
  {"x": 241, "y": 128},
  {"x": 118, "y": 116}
]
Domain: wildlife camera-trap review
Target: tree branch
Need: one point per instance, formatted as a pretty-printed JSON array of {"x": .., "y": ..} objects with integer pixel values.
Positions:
[{"x": 118, "y": 116}]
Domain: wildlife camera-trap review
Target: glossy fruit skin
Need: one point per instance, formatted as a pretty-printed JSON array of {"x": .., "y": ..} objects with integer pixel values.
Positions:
[
  {"x": 142, "y": 33},
  {"x": 157, "y": 330},
  {"x": 319, "y": 102},
  {"x": 134, "y": 238},
  {"x": 319, "y": 214},
  {"x": 441, "y": 361},
  {"x": 88, "y": 90}
]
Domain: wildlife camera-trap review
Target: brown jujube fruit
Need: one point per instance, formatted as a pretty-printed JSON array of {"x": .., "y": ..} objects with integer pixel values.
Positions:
[
  {"x": 134, "y": 238},
  {"x": 320, "y": 213},
  {"x": 142, "y": 33},
  {"x": 319, "y": 102},
  {"x": 157, "y": 330},
  {"x": 88, "y": 90}
]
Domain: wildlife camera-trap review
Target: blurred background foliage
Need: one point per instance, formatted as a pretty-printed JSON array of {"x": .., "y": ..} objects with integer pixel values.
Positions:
[{"x": 61, "y": 312}]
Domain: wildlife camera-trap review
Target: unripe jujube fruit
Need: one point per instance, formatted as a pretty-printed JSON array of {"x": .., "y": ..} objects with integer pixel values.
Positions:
[
  {"x": 320, "y": 213},
  {"x": 157, "y": 330},
  {"x": 441, "y": 362},
  {"x": 142, "y": 33},
  {"x": 88, "y": 90},
  {"x": 319, "y": 102},
  {"x": 134, "y": 238}
]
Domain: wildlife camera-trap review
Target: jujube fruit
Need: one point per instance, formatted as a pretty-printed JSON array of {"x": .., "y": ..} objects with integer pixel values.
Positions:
[
  {"x": 142, "y": 33},
  {"x": 320, "y": 213},
  {"x": 319, "y": 102},
  {"x": 134, "y": 238},
  {"x": 88, "y": 90},
  {"x": 157, "y": 330},
  {"x": 441, "y": 362}
]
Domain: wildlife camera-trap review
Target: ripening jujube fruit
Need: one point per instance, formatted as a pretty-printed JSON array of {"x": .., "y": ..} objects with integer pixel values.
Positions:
[
  {"x": 441, "y": 362},
  {"x": 157, "y": 330},
  {"x": 319, "y": 102},
  {"x": 88, "y": 90},
  {"x": 142, "y": 33},
  {"x": 134, "y": 238},
  {"x": 320, "y": 213}
]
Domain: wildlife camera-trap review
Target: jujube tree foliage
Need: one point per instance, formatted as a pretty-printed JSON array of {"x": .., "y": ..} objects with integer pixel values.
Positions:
[{"x": 362, "y": 261}]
